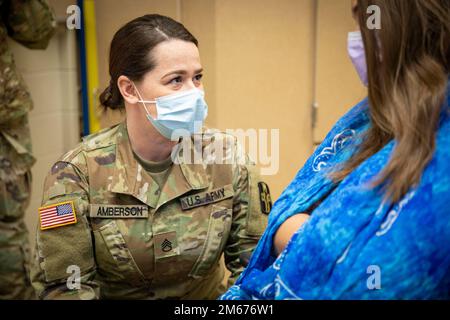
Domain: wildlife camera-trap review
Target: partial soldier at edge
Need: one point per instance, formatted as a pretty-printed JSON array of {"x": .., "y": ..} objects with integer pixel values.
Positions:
[{"x": 30, "y": 23}]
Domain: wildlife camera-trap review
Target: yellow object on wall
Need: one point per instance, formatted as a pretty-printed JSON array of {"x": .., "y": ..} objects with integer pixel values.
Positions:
[{"x": 92, "y": 63}]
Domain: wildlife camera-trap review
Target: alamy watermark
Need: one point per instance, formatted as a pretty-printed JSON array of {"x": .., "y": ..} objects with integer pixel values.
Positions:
[
  {"x": 374, "y": 280},
  {"x": 232, "y": 146},
  {"x": 74, "y": 280},
  {"x": 73, "y": 21},
  {"x": 374, "y": 20}
]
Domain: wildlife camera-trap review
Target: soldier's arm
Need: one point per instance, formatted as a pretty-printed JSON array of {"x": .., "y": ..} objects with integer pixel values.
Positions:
[
  {"x": 250, "y": 209},
  {"x": 63, "y": 251},
  {"x": 15, "y": 100},
  {"x": 30, "y": 22}
]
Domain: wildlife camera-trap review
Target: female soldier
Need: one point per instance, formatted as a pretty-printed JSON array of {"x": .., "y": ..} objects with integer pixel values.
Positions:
[
  {"x": 124, "y": 214},
  {"x": 378, "y": 188}
]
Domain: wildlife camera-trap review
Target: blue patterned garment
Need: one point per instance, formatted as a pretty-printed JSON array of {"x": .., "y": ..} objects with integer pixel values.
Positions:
[{"x": 355, "y": 245}]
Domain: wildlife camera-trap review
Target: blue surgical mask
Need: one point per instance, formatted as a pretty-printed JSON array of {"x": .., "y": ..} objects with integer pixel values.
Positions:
[
  {"x": 181, "y": 113},
  {"x": 355, "y": 47}
]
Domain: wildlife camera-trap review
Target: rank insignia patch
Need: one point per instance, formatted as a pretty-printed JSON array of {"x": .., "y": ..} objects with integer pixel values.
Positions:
[
  {"x": 264, "y": 197},
  {"x": 166, "y": 245}
]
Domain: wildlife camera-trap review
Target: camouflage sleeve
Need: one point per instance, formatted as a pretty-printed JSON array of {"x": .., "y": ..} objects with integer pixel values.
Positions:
[
  {"x": 251, "y": 206},
  {"x": 15, "y": 100},
  {"x": 30, "y": 22},
  {"x": 64, "y": 265}
]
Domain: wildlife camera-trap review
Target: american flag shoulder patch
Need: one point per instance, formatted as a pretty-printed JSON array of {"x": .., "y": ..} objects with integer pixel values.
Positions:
[{"x": 57, "y": 215}]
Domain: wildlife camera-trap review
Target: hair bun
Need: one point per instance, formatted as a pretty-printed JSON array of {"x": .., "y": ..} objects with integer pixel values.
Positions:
[{"x": 111, "y": 97}]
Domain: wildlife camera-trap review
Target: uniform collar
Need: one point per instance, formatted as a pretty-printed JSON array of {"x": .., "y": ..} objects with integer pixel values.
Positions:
[{"x": 132, "y": 179}]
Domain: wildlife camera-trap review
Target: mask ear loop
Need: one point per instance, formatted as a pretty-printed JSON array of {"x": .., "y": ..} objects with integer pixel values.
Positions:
[{"x": 143, "y": 101}]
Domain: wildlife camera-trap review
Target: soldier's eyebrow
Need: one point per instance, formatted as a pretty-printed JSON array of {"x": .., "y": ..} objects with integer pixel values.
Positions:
[{"x": 182, "y": 72}]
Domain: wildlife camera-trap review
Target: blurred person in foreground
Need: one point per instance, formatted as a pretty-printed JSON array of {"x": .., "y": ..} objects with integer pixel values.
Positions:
[{"x": 368, "y": 216}]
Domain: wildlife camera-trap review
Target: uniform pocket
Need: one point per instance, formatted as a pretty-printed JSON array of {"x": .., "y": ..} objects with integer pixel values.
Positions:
[
  {"x": 14, "y": 197},
  {"x": 216, "y": 238},
  {"x": 114, "y": 259}
]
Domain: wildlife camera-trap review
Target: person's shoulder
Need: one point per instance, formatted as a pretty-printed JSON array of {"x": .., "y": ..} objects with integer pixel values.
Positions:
[
  {"x": 224, "y": 145},
  {"x": 356, "y": 116},
  {"x": 102, "y": 139},
  {"x": 349, "y": 127},
  {"x": 209, "y": 136}
]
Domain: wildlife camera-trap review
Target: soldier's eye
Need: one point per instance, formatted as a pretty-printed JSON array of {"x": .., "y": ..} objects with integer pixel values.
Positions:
[
  {"x": 198, "y": 77},
  {"x": 176, "y": 80}
]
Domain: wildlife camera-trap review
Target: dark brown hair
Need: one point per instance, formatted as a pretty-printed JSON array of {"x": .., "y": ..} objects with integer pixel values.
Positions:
[
  {"x": 129, "y": 54},
  {"x": 408, "y": 69}
]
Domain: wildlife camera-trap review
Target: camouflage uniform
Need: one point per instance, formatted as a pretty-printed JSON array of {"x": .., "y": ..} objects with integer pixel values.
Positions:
[
  {"x": 31, "y": 23},
  {"x": 173, "y": 250}
]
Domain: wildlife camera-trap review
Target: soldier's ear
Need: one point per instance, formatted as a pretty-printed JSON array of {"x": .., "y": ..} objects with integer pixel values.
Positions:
[{"x": 127, "y": 90}]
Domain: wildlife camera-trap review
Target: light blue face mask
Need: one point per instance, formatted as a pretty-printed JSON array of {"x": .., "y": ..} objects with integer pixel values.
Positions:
[{"x": 179, "y": 114}]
